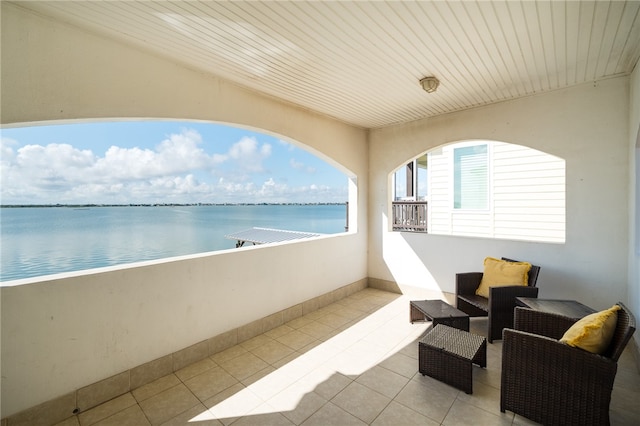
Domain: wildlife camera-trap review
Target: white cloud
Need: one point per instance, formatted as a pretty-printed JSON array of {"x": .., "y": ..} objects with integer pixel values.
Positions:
[
  {"x": 180, "y": 153},
  {"x": 248, "y": 155},
  {"x": 60, "y": 173},
  {"x": 296, "y": 164},
  {"x": 177, "y": 170}
]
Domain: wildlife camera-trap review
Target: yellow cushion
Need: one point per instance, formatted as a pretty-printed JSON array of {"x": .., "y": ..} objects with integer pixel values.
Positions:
[
  {"x": 594, "y": 332},
  {"x": 499, "y": 273}
]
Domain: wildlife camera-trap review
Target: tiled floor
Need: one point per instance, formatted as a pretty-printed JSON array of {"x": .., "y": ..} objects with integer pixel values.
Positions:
[{"x": 354, "y": 362}]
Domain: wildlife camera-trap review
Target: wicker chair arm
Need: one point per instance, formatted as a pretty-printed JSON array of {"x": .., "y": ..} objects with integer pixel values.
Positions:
[
  {"x": 540, "y": 352},
  {"x": 504, "y": 298},
  {"x": 541, "y": 323},
  {"x": 468, "y": 282}
]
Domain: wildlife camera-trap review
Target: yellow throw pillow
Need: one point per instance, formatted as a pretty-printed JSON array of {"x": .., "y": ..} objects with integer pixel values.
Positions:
[
  {"x": 594, "y": 332},
  {"x": 500, "y": 273}
]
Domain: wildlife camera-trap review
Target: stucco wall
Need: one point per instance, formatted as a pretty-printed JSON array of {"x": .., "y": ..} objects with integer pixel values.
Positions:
[
  {"x": 588, "y": 127},
  {"x": 64, "y": 333}
]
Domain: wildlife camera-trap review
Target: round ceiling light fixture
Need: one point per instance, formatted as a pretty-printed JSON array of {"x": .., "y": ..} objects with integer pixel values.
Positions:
[{"x": 430, "y": 84}]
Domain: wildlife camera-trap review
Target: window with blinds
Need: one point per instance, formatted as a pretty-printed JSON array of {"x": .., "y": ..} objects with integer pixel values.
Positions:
[{"x": 471, "y": 178}]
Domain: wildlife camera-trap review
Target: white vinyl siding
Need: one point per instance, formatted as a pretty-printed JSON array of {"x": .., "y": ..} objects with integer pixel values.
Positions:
[
  {"x": 439, "y": 200},
  {"x": 526, "y": 196}
]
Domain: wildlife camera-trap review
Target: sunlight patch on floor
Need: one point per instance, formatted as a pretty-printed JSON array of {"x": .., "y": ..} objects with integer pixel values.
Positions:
[{"x": 349, "y": 353}]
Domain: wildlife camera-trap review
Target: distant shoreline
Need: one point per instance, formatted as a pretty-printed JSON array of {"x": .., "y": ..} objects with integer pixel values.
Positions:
[{"x": 76, "y": 206}]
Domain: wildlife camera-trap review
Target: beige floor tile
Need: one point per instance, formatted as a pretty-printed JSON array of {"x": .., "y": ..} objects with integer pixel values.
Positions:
[
  {"x": 272, "y": 351},
  {"x": 196, "y": 416},
  {"x": 299, "y": 322},
  {"x": 364, "y": 403},
  {"x": 168, "y": 404},
  {"x": 626, "y": 400},
  {"x": 258, "y": 376},
  {"x": 326, "y": 382},
  {"x": 194, "y": 369},
  {"x": 244, "y": 365},
  {"x": 318, "y": 330},
  {"x": 401, "y": 364},
  {"x": 331, "y": 414},
  {"x": 157, "y": 386},
  {"x": 256, "y": 342},
  {"x": 279, "y": 331},
  {"x": 286, "y": 360},
  {"x": 210, "y": 383},
  {"x": 297, "y": 402},
  {"x": 366, "y": 354},
  {"x": 71, "y": 421},
  {"x": 273, "y": 384},
  {"x": 352, "y": 363},
  {"x": 488, "y": 376},
  {"x": 107, "y": 409},
  {"x": 305, "y": 407},
  {"x": 397, "y": 414},
  {"x": 622, "y": 417},
  {"x": 221, "y": 396},
  {"x": 293, "y": 374},
  {"x": 132, "y": 416},
  {"x": 363, "y": 305},
  {"x": 264, "y": 417},
  {"x": 296, "y": 340},
  {"x": 236, "y": 405},
  {"x": 320, "y": 312},
  {"x": 464, "y": 414},
  {"x": 430, "y": 401},
  {"x": 334, "y": 320},
  {"x": 383, "y": 381},
  {"x": 521, "y": 421},
  {"x": 410, "y": 350},
  {"x": 349, "y": 312},
  {"x": 228, "y": 354},
  {"x": 307, "y": 348},
  {"x": 627, "y": 379},
  {"x": 484, "y": 397}
]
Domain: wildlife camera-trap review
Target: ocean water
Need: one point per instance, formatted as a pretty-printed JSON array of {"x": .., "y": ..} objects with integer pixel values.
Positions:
[{"x": 38, "y": 241}]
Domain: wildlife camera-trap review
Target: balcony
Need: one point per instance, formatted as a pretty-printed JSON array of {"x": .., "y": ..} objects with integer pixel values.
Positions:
[
  {"x": 409, "y": 216},
  {"x": 353, "y": 361}
]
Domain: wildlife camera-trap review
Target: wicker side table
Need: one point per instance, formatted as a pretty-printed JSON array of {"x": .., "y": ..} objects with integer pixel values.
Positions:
[
  {"x": 439, "y": 312},
  {"x": 448, "y": 354}
]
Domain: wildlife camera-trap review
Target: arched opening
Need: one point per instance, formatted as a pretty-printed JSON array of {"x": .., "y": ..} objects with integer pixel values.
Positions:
[
  {"x": 480, "y": 188},
  {"x": 116, "y": 192}
]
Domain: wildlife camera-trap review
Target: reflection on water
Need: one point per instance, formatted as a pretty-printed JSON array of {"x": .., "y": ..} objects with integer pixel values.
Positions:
[{"x": 42, "y": 241}]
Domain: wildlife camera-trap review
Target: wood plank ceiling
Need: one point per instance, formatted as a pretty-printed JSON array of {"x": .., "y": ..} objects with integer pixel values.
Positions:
[{"x": 361, "y": 61}]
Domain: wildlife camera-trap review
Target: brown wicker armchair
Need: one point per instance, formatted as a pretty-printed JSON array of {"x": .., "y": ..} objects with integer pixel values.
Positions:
[
  {"x": 499, "y": 306},
  {"x": 553, "y": 383}
]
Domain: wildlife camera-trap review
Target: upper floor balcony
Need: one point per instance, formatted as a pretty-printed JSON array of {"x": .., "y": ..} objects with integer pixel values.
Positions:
[{"x": 409, "y": 216}]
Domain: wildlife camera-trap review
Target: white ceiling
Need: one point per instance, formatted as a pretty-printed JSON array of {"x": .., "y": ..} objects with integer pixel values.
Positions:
[{"x": 361, "y": 61}]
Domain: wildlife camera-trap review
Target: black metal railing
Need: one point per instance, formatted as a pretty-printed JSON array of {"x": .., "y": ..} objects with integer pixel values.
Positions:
[{"x": 409, "y": 216}]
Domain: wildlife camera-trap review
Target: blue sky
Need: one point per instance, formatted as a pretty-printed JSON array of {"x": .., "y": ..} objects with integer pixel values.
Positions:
[{"x": 160, "y": 162}]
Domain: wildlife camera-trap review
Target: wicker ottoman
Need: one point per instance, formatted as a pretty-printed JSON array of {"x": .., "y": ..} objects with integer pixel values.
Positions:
[{"x": 447, "y": 354}]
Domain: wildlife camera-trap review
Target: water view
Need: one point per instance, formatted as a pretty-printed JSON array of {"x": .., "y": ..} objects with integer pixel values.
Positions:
[{"x": 40, "y": 241}]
